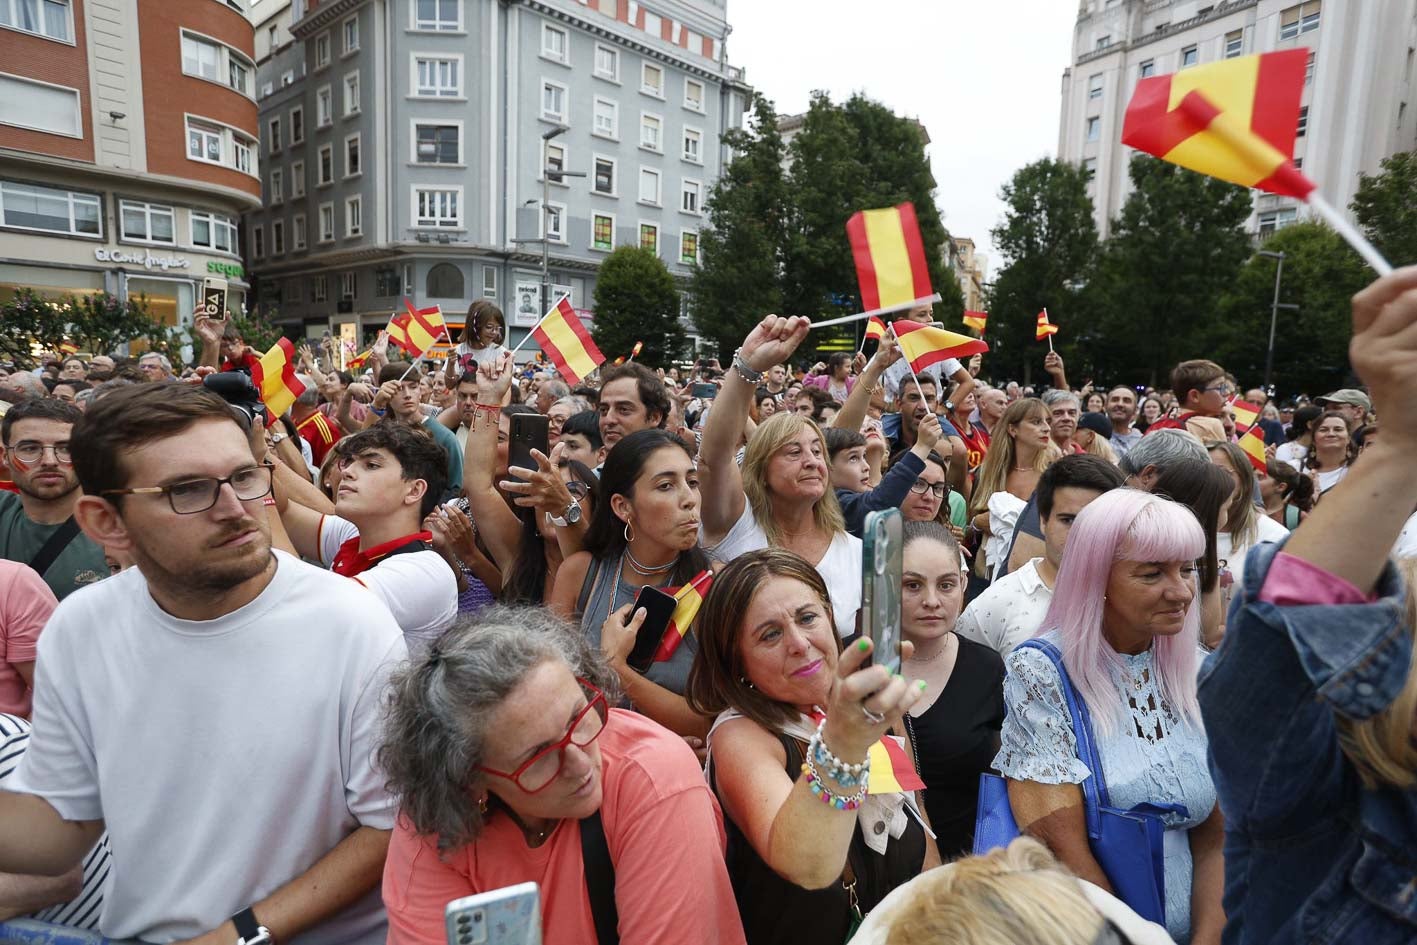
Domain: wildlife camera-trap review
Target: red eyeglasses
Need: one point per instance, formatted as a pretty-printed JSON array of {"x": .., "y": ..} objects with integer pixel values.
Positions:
[{"x": 538, "y": 771}]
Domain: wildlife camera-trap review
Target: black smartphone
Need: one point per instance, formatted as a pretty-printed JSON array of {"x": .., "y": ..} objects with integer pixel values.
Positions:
[
  {"x": 882, "y": 562},
  {"x": 705, "y": 391},
  {"x": 530, "y": 431},
  {"x": 659, "y": 610}
]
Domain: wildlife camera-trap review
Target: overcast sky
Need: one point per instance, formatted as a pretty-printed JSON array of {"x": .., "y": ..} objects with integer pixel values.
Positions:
[{"x": 982, "y": 75}]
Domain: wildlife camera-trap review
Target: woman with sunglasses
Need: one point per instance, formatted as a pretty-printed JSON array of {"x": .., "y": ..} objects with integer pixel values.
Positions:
[
  {"x": 645, "y": 532},
  {"x": 511, "y": 768}
]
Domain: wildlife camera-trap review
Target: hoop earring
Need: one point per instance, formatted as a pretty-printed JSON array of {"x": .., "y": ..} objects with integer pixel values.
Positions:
[{"x": 629, "y": 533}]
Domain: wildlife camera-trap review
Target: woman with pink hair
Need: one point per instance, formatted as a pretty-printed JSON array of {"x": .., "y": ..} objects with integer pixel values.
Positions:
[{"x": 1126, "y": 619}]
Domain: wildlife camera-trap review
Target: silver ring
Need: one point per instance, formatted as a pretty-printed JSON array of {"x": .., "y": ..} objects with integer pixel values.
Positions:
[{"x": 872, "y": 717}]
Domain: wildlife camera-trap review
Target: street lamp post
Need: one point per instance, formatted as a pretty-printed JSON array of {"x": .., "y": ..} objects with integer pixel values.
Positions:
[
  {"x": 1273, "y": 313},
  {"x": 548, "y": 173}
]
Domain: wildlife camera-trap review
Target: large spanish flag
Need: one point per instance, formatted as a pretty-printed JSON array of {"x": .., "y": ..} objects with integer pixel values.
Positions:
[
  {"x": 417, "y": 329},
  {"x": 890, "y": 258},
  {"x": 273, "y": 373},
  {"x": 1045, "y": 327},
  {"x": 1253, "y": 445},
  {"x": 892, "y": 771},
  {"x": 690, "y": 598},
  {"x": 1235, "y": 119},
  {"x": 976, "y": 320},
  {"x": 924, "y": 345},
  {"x": 566, "y": 342}
]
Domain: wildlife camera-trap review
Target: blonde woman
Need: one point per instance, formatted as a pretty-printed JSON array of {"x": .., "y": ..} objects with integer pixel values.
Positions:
[
  {"x": 1020, "y": 448},
  {"x": 1245, "y": 525}
]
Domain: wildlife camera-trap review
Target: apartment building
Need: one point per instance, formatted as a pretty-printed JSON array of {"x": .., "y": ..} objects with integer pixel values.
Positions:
[{"x": 1359, "y": 100}]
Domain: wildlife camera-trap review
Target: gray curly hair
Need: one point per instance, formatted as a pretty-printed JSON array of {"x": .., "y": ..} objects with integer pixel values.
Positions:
[{"x": 438, "y": 711}]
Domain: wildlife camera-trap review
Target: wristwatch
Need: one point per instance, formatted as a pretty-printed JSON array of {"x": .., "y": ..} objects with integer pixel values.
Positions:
[
  {"x": 277, "y": 437},
  {"x": 571, "y": 516},
  {"x": 249, "y": 931}
]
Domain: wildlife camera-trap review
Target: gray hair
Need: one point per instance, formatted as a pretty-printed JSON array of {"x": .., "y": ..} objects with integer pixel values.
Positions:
[
  {"x": 556, "y": 390},
  {"x": 109, "y": 386},
  {"x": 1057, "y": 396},
  {"x": 577, "y": 403},
  {"x": 1161, "y": 449},
  {"x": 436, "y": 727},
  {"x": 161, "y": 358},
  {"x": 310, "y": 397}
]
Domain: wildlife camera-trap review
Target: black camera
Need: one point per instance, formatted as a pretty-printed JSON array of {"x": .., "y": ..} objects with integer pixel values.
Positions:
[{"x": 237, "y": 389}]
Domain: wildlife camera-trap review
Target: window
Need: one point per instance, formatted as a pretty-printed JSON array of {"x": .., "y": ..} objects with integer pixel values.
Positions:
[
  {"x": 689, "y": 196},
  {"x": 1309, "y": 68},
  {"x": 1147, "y": 69},
  {"x": 146, "y": 223},
  {"x": 258, "y": 242},
  {"x": 1094, "y": 129},
  {"x": 602, "y": 232},
  {"x": 444, "y": 281},
  {"x": 200, "y": 57},
  {"x": 437, "y": 144},
  {"x": 649, "y": 186},
  {"x": 650, "y": 127},
  {"x": 693, "y": 145},
  {"x": 322, "y": 50},
  {"x": 689, "y": 248},
  {"x": 297, "y": 125},
  {"x": 47, "y": 18},
  {"x": 41, "y": 106},
  {"x": 241, "y": 151},
  {"x": 292, "y": 290},
  {"x": 273, "y": 135},
  {"x": 649, "y": 237},
  {"x": 213, "y": 230},
  {"x": 324, "y": 110},
  {"x": 319, "y": 288},
  {"x": 651, "y": 79},
  {"x": 1276, "y": 220},
  {"x": 654, "y": 24},
  {"x": 238, "y": 75},
  {"x": 1190, "y": 56},
  {"x": 277, "y": 237},
  {"x": 553, "y": 101},
  {"x": 353, "y": 216},
  {"x": 386, "y": 282},
  {"x": 555, "y": 219},
  {"x": 437, "y": 207},
  {"x": 1301, "y": 18},
  {"x": 351, "y": 94},
  {"x": 489, "y": 282},
  {"x": 554, "y": 161},
  {"x": 553, "y": 43},
  {"x": 327, "y": 222},
  {"x": 693, "y": 95},
  {"x": 437, "y": 77},
  {"x": 216, "y": 144},
  {"x": 1094, "y": 88},
  {"x": 351, "y": 35},
  {"x": 437, "y": 15},
  {"x": 607, "y": 63},
  {"x": 277, "y": 190},
  {"x": 1234, "y": 43},
  {"x": 1104, "y": 41},
  {"x": 297, "y": 179},
  {"x": 325, "y": 170},
  {"x": 297, "y": 231},
  {"x": 604, "y": 180},
  {"x": 1089, "y": 167},
  {"x": 352, "y": 164},
  {"x": 1303, "y": 122},
  {"x": 348, "y": 285},
  {"x": 606, "y": 123}
]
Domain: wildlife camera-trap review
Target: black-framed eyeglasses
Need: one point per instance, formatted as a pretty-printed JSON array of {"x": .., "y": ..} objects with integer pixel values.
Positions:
[
  {"x": 577, "y": 489},
  {"x": 32, "y": 451},
  {"x": 542, "y": 768},
  {"x": 920, "y": 487},
  {"x": 197, "y": 495}
]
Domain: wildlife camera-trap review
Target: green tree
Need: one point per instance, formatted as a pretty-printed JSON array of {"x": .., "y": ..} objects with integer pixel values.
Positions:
[
  {"x": 1386, "y": 208},
  {"x": 1048, "y": 242},
  {"x": 97, "y": 323},
  {"x": 739, "y": 278},
  {"x": 635, "y": 300},
  {"x": 1321, "y": 274},
  {"x": 1173, "y": 253}
]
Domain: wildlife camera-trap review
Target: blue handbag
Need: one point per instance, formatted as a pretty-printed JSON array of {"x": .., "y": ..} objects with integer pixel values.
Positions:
[{"x": 1127, "y": 844}]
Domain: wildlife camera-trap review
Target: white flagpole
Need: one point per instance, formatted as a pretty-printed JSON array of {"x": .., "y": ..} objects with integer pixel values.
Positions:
[
  {"x": 414, "y": 361},
  {"x": 913, "y": 375},
  {"x": 1350, "y": 234},
  {"x": 929, "y": 300}
]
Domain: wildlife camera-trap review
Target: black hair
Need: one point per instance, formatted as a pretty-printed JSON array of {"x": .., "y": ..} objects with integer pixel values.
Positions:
[
  {"x": 1296, "y": 488},
  {"x": 1302, "y": 420},
  {"x": 399, "y": 371},
  {"x": 1204, "y": 488},
  {"x": 419, "y": 456},
  {"x": 1078, "y": 471},
  {"x": 839, "y": 439},
  {"x": 586, "y": 424},
  {"x": 39, "y": 409},
  {"x": 821, "y": 400},
  {"x": 649, "y": 388},
  {"x": 525, "y": 581}
]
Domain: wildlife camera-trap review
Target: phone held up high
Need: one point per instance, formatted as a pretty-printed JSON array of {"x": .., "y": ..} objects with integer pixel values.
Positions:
[
  {"x": 530, "y": 431},
  {"x": 659, "y": 610},
  {"x": 882, "y": 564},
  {"x": 507, "y": 916}
]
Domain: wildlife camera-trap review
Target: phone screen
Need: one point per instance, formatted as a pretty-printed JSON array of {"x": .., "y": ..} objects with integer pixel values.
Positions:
[
  {"x": 882, "y": 564},
  {"x": 659, "y": 606},
  {"x": 530, "y": 431}
]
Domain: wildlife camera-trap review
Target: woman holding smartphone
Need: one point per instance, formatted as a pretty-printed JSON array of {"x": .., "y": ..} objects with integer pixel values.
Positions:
[{"x": 644, "y": 533}]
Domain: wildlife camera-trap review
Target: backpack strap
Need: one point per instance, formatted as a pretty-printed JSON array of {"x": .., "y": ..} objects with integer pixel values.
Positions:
[
  {"x": 600, "y": 880},
  {"x": 54, "y": 547}
]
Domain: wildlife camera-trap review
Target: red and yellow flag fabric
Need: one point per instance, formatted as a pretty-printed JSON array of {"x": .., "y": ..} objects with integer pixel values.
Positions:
[
  {"x": 67, "y": 348},
  {"x": 1246, "y": 413},
  {"x": 273, "y": 373},
  {"x": 1235, "y": 119},
  {"x": 924, "y": 345},
  {"x": 892, "y": 771},
  {"x": 976, "y": 320},
  {"x": 417, "y": 329},
  {"x": 875, "y": 329},
  {"x": 567, "y": 343},
  {"x": 690, "y": 598},
  {"x": 1253, "y": 445},
  {"x": 356, "y": 361},
  {"x": 1045, "y": 327},
  {"x": 635, "y": 351},
  {"x": 890, "y": 258}
]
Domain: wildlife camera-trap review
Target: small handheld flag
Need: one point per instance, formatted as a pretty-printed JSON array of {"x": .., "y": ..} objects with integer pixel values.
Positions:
[
  {"x": 273, "y": 373},
  {"x": 566, "y": 342},
  {"x": 875, "y": 329},
  {"x": 892, "y": 770},
  {"x": 67, "y": 347},
  {"x": 417, "y": 330},
  {"x": 924, "y": 345},
  {"x": 635, "y": 351},
  {"x": 356, "y": 361},
  {"x": 690, "y": 598},
  {"x": 976, "y": 320},
  {"x": 890, "y": 258},
  {"x": 1246, "y": 413},
  {"x": 1046, "y": 329},
  {"x": 1253, "y": 445}
]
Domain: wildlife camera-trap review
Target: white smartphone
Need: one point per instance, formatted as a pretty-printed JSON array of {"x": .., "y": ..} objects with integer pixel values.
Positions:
[{"x": 507, "y": 916}]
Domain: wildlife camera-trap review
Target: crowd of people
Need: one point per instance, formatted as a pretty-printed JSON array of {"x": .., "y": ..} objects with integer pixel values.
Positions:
[{"x": 310, "y": 678}]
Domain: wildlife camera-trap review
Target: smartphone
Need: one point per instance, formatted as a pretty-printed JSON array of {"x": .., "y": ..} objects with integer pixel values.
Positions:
[
  {"x": 704, "y": 391},
  {"x": 659, "y": 606},
  {"x": 530, "y": 431},
  {"x": 881, "y": 558},
  {"x": 508, "y": 916},
  {"x": 214, "y": 297}
]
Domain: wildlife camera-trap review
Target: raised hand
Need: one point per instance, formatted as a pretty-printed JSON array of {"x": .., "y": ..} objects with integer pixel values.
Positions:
[
  {"x": 209, "y": 330},
  {"x": 849, "y": 731},
  {"x": 494, "y": 379},
  {"x": 773, "y": 340}
]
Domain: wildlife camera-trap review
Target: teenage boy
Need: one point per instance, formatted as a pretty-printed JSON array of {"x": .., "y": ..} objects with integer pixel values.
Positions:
[
  {"x": 580, "y": 439},
  {"x": 1201, "y": 391},
  {"x": 400, "y": 396}
]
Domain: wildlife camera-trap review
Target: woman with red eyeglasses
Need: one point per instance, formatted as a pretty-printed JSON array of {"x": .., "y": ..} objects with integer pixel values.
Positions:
[{"x": 511, "y": 768}]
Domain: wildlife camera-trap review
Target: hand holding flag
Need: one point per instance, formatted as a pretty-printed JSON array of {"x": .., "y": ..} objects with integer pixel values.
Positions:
[
  {"x": 1046, "y": 329},
  {"x": 417, "y": 330},
  {"x": 274, "y": 376},
  {"x": 564, "y": 339}
]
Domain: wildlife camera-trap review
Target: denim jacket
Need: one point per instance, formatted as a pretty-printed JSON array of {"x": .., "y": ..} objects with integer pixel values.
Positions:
[{"x": 1310, "y": 855}]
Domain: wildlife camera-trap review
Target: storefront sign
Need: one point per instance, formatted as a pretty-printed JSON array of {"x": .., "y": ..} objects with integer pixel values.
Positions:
[
  {"x": 230, "y": 270},
  {"x": 145, "y": 260}
]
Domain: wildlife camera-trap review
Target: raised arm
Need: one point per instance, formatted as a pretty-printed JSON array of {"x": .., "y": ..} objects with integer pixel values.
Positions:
[
  {"x": 853, "y": 413},
  {"x": 499, "y": 527},
  {"x": 210, "y": 331}
]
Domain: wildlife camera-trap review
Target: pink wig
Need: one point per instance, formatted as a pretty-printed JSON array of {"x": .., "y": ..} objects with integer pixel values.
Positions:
[{"x": 1124, "y": 525}]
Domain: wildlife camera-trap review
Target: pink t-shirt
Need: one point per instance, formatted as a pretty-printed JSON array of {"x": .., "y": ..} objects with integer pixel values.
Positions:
[
  {"x": 664, "y": 830},
  {"x": 25, "y": 605},
  {"x": 1295, "y": 581}
]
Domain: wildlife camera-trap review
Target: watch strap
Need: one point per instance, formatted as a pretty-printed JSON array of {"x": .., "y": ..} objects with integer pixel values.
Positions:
[{"x": 250, "y": 931}]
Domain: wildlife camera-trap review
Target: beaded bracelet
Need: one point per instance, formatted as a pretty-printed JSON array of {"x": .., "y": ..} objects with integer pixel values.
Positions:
[
  {"x": 840, "y": 772},
  {"x": 840, "y": 802},
  {"x": 845, "y": 779}
]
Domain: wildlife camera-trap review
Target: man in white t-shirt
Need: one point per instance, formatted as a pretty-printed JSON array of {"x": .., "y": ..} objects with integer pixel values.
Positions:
[
  {"x": 216, "y": 707},
  {"x": 392, "y": 477},
  {"x": 1013, "y": 608}
]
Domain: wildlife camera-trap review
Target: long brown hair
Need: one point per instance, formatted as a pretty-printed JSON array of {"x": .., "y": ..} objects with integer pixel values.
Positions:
[{"x": 993, "y": 473}]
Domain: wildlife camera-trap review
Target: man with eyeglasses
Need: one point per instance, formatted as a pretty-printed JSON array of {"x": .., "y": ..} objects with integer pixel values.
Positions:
[
  {"x": 216, "y": 707},
  {"x": 156, "y": 367},
  {"x": 37, "y": 525},
  {"x": 1201, "y": 391}
]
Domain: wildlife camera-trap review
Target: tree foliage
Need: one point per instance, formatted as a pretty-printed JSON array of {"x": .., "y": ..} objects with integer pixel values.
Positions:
[
  {"x": 1386, "y": 208},
  {"x": 636, "y": 300},
  {"x": 96, "y": 324}
]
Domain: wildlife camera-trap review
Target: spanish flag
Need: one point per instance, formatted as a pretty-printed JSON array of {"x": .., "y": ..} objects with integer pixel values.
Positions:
[
  {"x": 635, "y": 351},
  {"x": 690, "y": 598},
  {"x": 567, "y": 343},
  {"x": 1235, "y": 119},
  {"x": 356, "y": 361},
  {"x": 67, "y": 347},
  {"x": 892, "y": 771},
  {"x": 1253, "y": 445},
  {"x": 417, "y": 330},
  {"x": 875, "y": 329},
  {"x": 1045, "y": 327},
  {"x": 976, "y": 320},
  {"x": 1246, "y": 413},
  {"x": 924, "y": 345},
  {"x": 273, "y": 373},
  {"x": 890, "y": 258}
]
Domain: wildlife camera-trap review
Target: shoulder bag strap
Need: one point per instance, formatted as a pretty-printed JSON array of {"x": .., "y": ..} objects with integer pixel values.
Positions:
[
  {"x": 1094, "y": 788},
  {"x": 600, "y": 880},
  {"x": 55, "y": 546},
  {"x": 587, "y": 585}
]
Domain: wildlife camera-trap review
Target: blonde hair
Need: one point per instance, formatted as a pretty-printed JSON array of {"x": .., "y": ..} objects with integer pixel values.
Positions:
[
  {"x": 772, "y": 435},
  {"x": 1017, "y": 894},
  {"x": 1100, "y": 447},
  {"x": 993, "y": 473},
  {"x": 1384, "y": 748}
]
